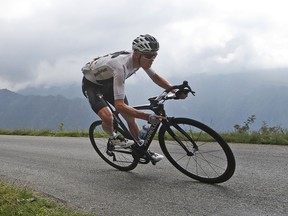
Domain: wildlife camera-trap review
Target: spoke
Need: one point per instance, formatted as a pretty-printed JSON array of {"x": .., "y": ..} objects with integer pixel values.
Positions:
[
  {"x": 210, "y": 163},
  {"x": 119, "y": 158},
  {"x": 208, "y": 160},
  {"x": 198, "y": 166},
  {"x": 213, "y": 155}
]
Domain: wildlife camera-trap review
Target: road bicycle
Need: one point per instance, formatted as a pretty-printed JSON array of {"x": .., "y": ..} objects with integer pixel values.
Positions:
[{"x": 192, "y": 147}]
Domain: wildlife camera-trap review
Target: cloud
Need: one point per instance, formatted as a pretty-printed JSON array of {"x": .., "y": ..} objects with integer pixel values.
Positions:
[
  {"x": 19, "y": 9},
  {"x": 46, "y": 42}
]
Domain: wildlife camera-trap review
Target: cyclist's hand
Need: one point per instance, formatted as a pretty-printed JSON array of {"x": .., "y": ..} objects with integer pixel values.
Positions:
[
  {"x": 154, "y": 119},
  {"x": 181, "y": 94}
]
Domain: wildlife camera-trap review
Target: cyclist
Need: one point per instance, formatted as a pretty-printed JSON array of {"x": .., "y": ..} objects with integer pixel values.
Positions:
[{"x": 105, "y": 77}]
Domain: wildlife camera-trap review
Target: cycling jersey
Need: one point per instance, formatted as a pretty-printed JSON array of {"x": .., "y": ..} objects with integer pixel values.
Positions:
[{"x": 118, "y": 66}]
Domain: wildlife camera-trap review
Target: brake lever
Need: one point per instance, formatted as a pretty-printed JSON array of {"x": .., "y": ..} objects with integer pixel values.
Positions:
[
  {"x": 193, "y": 92},
  {"x": 179, "y": 87},
  {"x": 185, "y": 85}
]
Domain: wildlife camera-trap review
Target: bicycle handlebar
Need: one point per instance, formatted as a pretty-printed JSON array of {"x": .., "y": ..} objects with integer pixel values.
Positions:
[{"x": 184, "y": 87}]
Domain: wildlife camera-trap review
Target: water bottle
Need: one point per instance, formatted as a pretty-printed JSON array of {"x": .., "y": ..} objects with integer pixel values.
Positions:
[{"x": 143, "y": 131}]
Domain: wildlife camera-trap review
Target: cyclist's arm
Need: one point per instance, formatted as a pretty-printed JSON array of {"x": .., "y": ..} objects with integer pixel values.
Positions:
[
  {"x": 123, "y": 108},
  {"x": 160, "y": 81}
]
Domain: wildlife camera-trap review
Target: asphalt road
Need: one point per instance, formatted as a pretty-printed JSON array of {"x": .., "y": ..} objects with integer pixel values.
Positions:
[{"x": 69, "y": 170}]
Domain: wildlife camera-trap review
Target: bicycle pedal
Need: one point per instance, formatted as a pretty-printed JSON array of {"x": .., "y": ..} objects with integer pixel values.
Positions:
[
  {"x": 144, "y": 160},
  {"x": 109, "y": 153},
  {"x": 110, "y": 147}
]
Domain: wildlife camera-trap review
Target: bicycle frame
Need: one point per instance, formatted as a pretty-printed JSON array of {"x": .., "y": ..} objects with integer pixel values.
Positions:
[{"x": 159, "y": 109}]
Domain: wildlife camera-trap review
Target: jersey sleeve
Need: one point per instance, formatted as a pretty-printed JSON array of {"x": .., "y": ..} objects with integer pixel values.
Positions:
[{"x": 119, "y": 83}]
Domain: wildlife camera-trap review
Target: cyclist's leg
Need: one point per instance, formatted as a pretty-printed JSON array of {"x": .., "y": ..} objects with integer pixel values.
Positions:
[
  {"x": 93, "y": 93},
  {"x": 107, "y": 120},
  {"x": 133, "y": 126},
  {"x": 134, "y": 130},
  {"x": 100, "y": 107}
]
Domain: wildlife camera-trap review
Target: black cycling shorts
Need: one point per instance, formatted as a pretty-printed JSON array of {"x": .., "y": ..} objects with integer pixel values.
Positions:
[{"x": 98, "y": 93}]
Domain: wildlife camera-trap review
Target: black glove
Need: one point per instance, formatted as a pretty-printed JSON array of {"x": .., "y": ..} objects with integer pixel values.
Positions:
[{"x": 182, "y": 93}]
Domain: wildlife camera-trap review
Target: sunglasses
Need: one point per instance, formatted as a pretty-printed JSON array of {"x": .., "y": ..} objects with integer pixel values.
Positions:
[{"x": 149, "y": 55}]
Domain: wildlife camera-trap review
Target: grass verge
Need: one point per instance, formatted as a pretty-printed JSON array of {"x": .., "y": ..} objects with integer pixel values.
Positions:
[
  {"x": 274, "y": 138},
  {"x": 44, "y": 132},
  {"x": 16, "y": 201}
]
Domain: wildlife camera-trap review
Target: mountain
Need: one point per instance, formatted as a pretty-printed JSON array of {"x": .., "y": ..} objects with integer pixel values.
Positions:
[
  {"x": 221, "y": 102},
  {"x": 43, "y": 112},
  {"x": 68, "y": 91}
]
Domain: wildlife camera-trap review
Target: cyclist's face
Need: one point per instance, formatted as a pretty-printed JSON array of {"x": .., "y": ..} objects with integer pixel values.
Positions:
[{"x": 147, "y": 59}]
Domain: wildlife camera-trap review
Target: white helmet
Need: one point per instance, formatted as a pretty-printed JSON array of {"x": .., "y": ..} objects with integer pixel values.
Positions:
[{"x": 145, "y": 43}]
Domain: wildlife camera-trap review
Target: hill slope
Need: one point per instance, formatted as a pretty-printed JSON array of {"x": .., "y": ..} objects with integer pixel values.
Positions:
[
  {"x": 221, "y": 102},
  {"x": 43, "y": 112}
]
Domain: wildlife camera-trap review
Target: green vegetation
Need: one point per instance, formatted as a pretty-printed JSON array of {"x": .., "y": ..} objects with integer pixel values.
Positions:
[
  {"x": 265, "y": 135},
  {"x": 44, "y": 132},
  {"x": 241, "y": 134},
  {"x": 16, "y": 201}
]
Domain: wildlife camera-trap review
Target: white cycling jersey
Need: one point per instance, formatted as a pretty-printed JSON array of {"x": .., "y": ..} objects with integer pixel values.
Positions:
[{"x": 116, "y": 65}]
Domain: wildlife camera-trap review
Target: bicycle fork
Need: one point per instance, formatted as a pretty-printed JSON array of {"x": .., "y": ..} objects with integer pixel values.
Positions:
[{"x": 168, "y": 125}]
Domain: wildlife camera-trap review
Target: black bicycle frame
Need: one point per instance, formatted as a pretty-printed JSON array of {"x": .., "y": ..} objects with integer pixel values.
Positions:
[
  {"x": 117, "y": 121},
  {"x": 158, "y": 109},
  {"x": 120, "y": 126}
]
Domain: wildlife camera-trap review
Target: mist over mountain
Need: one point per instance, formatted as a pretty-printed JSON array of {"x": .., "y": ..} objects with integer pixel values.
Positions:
[
  {"x": 221, "y": 101},
  {"x": 68, "y": 91},
  {"x": 43, "y": 112}
]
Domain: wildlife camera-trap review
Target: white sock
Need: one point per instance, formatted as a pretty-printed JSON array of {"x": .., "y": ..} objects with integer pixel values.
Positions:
[{"x": 113, "y": 135}]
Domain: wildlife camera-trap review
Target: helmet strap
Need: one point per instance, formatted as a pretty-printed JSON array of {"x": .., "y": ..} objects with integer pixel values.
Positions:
[{"x": 139, "y": 59}]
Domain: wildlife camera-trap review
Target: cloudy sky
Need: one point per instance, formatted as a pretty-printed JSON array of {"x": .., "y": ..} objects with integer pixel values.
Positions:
[{"x": 46, "y": 42}]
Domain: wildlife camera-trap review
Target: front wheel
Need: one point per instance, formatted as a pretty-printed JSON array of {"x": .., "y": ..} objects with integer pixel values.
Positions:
[
  {"x": 196, "y": 150},
  {"x": 121, "y": 159}
]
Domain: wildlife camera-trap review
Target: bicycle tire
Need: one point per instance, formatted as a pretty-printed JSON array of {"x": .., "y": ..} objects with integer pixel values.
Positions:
[
  {"x": 121, "y": 159},
  {"x": 213, "y": 162}
]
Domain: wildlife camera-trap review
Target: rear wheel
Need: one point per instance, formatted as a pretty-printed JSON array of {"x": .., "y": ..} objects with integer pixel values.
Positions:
[
  {"x": 121, "y": 159},
  {"x": 197, "y": 151}
]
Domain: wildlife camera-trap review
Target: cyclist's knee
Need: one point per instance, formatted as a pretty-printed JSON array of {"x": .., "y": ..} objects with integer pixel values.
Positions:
[{"x": 105, "y": 115}]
